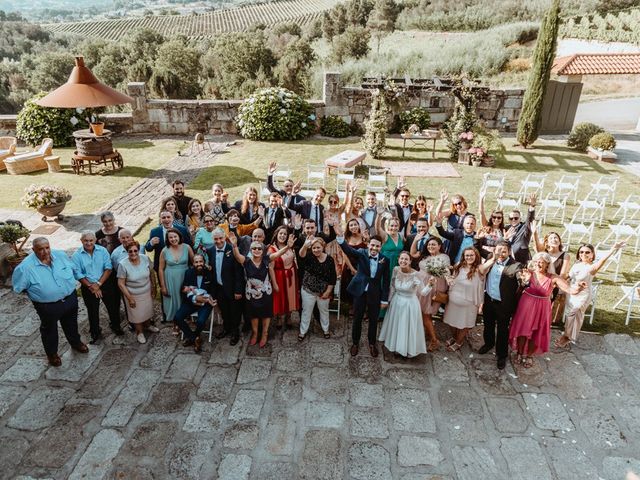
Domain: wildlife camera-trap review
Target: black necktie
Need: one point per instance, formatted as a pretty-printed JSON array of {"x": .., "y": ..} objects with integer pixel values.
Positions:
[
  {"x": 421, "y": 244},
  {"x": 271, "y": 217}
]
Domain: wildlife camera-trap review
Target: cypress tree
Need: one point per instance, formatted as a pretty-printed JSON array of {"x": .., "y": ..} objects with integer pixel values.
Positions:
[{"x": 543, "y": 56}]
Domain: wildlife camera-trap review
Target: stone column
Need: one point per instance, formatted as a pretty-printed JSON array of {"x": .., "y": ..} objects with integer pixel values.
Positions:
[
  {"x": 140, "y": 114},
  {"x": 332, "y": 89}
]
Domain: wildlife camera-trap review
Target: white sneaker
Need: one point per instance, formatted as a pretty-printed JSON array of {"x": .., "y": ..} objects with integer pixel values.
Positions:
[
  {"x": 153, "y": 329},
  {"x": 141, "y": 338}
]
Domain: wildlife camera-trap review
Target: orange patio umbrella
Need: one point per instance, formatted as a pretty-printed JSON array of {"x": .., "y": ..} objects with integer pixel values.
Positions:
[{"x": 83, "y": 90}]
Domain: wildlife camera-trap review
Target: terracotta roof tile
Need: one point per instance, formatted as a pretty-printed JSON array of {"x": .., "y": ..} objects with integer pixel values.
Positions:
[{"x": 597, "y": 64}]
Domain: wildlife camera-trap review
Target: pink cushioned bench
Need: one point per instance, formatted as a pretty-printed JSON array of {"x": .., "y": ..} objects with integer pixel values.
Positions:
[{"x": 346, "y": 159}]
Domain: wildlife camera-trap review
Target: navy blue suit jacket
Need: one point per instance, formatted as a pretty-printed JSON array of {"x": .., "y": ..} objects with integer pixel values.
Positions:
[
  {"x": 232, "y": 273},
  {"x": 378, "y": 284},
  {"x": 190, "y": 280},
  {"x": 157, "y": 232}
]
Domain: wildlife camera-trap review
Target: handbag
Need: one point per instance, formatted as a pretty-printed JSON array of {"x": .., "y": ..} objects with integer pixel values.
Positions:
[{"x": 440, "y": 297}]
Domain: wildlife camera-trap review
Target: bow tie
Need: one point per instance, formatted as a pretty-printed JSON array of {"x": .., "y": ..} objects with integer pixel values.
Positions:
[
  {"x": 371, "y": 257},
  {"x": 468, "y": 235},
  {"x": 371, "y": 209},
  {"x": 219, "y": 251}
]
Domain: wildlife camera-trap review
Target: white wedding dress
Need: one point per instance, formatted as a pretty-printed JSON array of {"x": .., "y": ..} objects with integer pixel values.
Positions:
[{"x": 402, "y": 330}]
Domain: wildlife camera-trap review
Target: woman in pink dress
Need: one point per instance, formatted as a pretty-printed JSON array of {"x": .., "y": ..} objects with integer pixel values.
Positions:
[
  {"x": 530, "y": 330},
  {"x": 287, "y": 298}
]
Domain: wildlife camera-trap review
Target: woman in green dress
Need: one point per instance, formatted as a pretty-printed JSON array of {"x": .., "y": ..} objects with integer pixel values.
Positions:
[
  {"x": 392, "y": 242},
  {"x": 175, "y": 259}
]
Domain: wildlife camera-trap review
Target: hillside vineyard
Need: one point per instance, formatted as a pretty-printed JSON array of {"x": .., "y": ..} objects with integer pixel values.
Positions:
[{"x": 205, "y": 25}]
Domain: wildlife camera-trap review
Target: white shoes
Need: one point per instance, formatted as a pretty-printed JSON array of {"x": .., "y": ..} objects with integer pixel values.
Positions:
[
  {"x": 141, "y": 338},
  {"x": 152, "y": 328}
]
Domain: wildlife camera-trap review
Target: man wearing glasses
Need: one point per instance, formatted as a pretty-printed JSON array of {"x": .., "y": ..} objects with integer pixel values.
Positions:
[{"x": 519, "y": 233}]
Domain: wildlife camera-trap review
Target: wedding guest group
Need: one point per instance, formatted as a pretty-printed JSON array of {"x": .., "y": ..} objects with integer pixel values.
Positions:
[{"x": 399, "y": 267}]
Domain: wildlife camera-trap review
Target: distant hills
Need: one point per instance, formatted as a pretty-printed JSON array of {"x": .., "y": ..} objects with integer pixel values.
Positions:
[{"x": 201, "y": 25}]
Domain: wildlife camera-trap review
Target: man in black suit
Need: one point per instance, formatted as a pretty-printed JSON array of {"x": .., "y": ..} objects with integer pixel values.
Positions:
[
  {"x": 275, "y": 215},
  {"x": 199, "y": 297},
  {"x": 519, "y": 232},
  {"x": 369, "y": 289},
  {"x": 229, "y": 284},
  {"x": 422, "y": 234},
  {"x": 311, "y": 209},
  {"x": 460, "y": 238},
  {"x": 158, "y": 235},
  {"x": 403, "y": 207},
  {"x": 288, "y": 186},
  {"x": 500, "y": 300}
]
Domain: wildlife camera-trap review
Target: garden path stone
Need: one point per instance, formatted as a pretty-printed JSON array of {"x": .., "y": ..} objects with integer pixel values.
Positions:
[
  {"x": 280, "y": 434},
  {"x": 95, "y": 463},
  {"x": 247, "y": 405},
  {"x": 287, "y": 390},
  {"x": 204, "y": 417},
  {"x": 412, "y": 412},
  {"x": 366, "y": 394},
  {"x": 24, "y": 370},
  {"x": 547, "y": 411},
  {"x": 40, "y": 408},
  {"x": 414, "y": 451},
  {"x": 369, "y": 423},
  {"x": 168, "y": 398},
  {"x": 135, "y": 393},
  {"x": 525, "y": 459},
  {"x": 368, "y": 461},
  {"x": 569, "y": 462},
  {"x": 475, "y": 463},
  {"x": 449, "y": 368},
  {"x": 253, "y": 370},
  {"x": 507, "y": 415},
  {"x": 321, "y": 456},
  {"x": 188, "y": 457},
  {"x": 74, "y": 364},
  {"x": 110, "y": 371}
]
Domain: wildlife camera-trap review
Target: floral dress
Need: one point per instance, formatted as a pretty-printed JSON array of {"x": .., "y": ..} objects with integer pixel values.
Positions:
[{"x": 258, "y": 291}]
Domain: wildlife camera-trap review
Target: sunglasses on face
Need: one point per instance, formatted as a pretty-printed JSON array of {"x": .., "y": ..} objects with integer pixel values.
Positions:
[
  {"x": 496, "y": 217},
  {"x": 514, "y": 218},
  {"x": 404, "y": 196},
  {"x": 456, "y": 204},
  {"x": 584, "y": 252},
  {"x": 256, "y": 248},
  {"x": 208, "y": 221},
  {"x": 332, "y": 202},
  {"x": 132, "y": 251}
]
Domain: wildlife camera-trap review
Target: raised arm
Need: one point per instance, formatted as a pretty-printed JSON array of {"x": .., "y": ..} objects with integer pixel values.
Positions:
[
  {"x": 443, "y": 198},
  {"x": 483, "y": 216},
  {"x": 537, "y": 244},
  {"x": 379, "y": 230},
  {"x": 290, "y": 241},
  {"x": 486, "y": 266},
  {"x": 233, "y": 240},
  {"x": 413, "y": 250},
  {"x": 600, "y": 263}
]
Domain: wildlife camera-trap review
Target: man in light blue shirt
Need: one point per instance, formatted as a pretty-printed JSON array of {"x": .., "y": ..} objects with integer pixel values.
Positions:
[
  {"x": 48, "y": 279},
  {"x": 92, "y": 267}
]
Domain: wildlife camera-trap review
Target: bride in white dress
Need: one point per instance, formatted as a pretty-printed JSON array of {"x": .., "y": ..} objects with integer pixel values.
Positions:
[{"x": 402, "y": 331}]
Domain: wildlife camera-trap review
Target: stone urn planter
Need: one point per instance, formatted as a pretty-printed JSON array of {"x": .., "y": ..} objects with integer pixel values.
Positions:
[
  {"x": 602, "y": 155},
  {"x": 488, "y": 161},
  {"x": 52, "y": 211}
]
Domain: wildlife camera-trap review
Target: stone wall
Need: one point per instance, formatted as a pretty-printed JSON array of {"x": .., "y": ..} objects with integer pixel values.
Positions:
[{"x": 500, "y": 109}]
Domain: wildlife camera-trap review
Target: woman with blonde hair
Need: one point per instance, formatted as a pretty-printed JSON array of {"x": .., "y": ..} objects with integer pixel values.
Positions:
[{"x": 217, "y": 207}]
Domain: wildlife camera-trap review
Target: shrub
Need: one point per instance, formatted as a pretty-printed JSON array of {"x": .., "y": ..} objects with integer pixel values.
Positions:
[
  {"x": 334, "y": 126},
  {"x": 375, "y": 127},
  {"x": 418, "y": 115},
  {"x": 581, "y": 134},
  {"x": 35, "y": 123},
  {"x": 275, "y": 114},
  {"x": 603, "y": 141},
  {"x": 12, "y": 234}
]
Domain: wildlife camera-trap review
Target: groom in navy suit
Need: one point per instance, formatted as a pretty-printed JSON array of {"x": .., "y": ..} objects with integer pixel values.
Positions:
[{"x": 369, "y": 288}]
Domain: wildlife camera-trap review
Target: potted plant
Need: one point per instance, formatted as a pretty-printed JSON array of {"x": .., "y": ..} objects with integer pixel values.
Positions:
[
  {"x": 96, "y": 124},
  {"x": 16, "y": 235},
  {"x": 477, "y": 154},
  {"x": 465, "y": 140},
  {"x": 48, "y": 200},
  {"x": 601, "y": 147}
]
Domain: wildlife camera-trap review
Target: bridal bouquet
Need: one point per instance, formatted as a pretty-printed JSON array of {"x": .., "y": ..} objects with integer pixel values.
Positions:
[{"x": 436, "y": 267}]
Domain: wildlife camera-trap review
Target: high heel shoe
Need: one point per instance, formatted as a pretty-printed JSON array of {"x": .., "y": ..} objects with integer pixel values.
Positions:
[
  {"x": 263, "y": 343},
  {"x": 253, "y": 340}
]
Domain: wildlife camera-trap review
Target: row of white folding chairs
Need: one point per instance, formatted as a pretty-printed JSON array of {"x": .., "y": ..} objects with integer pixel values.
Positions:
[{"x": 630, "y": 300}]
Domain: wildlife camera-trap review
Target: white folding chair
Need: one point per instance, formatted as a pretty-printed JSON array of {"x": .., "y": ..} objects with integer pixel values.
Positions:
[
  {"x": 604, "y": 189},
  {"x": 631, "y": 294},
  {"x": 589, "y": 211},
  {"x": 591, "y": 311},
  {"x": 601, "y": 250},
  {"x": 533, "y": 184},
  {"x": 493, "y": 182},
  {"x": 508, "y": 201},
  {"x": 567, "y": 186},
  {"x": 377, "y": 180},
  {"x": 194, "y": 318},
  {"x": 263, "y": 191},
  {"x": 580, "y": 230},
  {"x": 342, "y": 176},
  {"x": 623, "y": 231},
  {"x": 316, "y": 178},
  {"x": 334, "y": 304},
  {"x": 628, "y": 208},
  {"x": 282, "y": 173},
  {"x": 553, "y": 207},
  {"x": 636, "y": 268}
]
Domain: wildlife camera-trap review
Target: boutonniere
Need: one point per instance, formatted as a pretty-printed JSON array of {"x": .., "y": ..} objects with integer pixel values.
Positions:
[
  {"x": 381, "y": 261},
  {"x": 228, "y": 254}
]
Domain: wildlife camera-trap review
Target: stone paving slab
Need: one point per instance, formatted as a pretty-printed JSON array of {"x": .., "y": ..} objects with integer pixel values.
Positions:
[{"x": 311, "y": 411}]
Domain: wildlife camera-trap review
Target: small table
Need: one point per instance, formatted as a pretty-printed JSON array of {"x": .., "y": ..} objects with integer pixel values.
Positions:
[
  {"x": 53, "y": 163},
  {"x": 93, "y": 150},
  {"x": 421, "y": 140},
  {"x": 80, "y": 162},
  {"x": 345, "y": 159}
]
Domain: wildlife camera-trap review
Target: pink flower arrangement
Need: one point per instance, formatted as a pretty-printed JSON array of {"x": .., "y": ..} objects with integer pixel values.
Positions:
[
  {"x": 477, "y": 153},
  {"x": 466, "y": 137}
]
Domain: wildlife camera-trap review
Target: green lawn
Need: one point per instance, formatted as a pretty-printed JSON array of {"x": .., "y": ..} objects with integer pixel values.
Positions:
[
  {"x": 91, "y": 192},
  {"x": 246, "y": 163}
]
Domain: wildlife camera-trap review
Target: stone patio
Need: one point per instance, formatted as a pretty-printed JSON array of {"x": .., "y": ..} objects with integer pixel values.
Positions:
[{"x": 310, "y": 411}]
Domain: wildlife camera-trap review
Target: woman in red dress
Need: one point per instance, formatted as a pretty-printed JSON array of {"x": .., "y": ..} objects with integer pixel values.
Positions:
[
  {"x": 530, "y": 330},
  {"x": 287, "y": 298}
]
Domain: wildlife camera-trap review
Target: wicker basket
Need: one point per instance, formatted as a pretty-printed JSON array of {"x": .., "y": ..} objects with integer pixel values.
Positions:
[{"x": 94, "y": 147}]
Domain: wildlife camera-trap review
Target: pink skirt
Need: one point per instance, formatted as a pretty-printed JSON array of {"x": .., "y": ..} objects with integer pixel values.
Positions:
[{"x": 533, "y": 321}]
